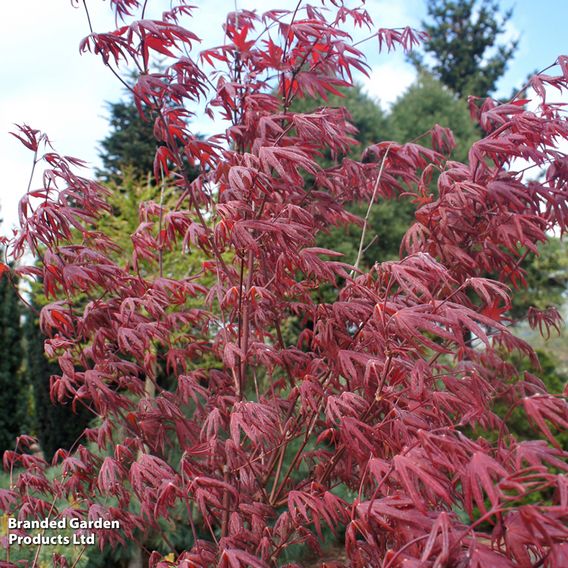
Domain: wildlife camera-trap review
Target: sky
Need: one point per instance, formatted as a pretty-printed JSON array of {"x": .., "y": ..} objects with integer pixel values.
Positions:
[{"x": 47, "y": 84}]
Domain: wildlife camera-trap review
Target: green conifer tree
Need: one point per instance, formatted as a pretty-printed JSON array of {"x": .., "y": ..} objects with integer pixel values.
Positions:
[
  {"x": 464, "y": 45},
  {"x": 14, "y": 391},
  {"x": 427, "y": 101},
  {"x": 130, "y": 145}
]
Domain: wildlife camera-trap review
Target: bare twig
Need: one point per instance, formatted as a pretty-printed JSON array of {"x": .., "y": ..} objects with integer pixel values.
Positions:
[{"x": 366, "y": 220}]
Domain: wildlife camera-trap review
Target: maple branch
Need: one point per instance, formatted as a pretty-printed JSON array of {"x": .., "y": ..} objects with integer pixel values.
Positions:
[
  {"x": 285, "y": 57},
  {"x": 81, "y": 552},
  {"x": 366, "y": 220},
  {"x": 274, "y": 495},
  {"x": 88, "y": 16},
  {"x": 281, "y": 455},
  {"x": 283, "y": 347},
  {"x": 371, "y": 243},
  {"x": 240, "y": 325},
  {"x": 176, "y": 153},
  {"x": 42, "y": 532},
  {"x": 289, "y": 434},
  {"x": 160, "y": 221},
  {"x": 528, "y": 83},
  {"x": 246, "y": 320},
  {"x": 339, "y": 453},
  {"x": 226, "y": 501},
  {"x": 404, "y": 547},
  {"x": 34, "y": 163}
]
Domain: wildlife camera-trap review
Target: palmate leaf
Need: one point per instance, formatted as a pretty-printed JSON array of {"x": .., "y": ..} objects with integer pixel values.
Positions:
[
  {"x": 537, "y": 452},
  {"x": 545, "y": 320},
  {"x": 395, "y": 512},
  {"x": 543, "y": 408},
  {"x": 480, "y": 477},
  {"x": 442, "y": 532},
  {"x": 258, "y": 421},
  {"x": 286, "y": 161},
  {"x": 313, "y": 508},
  {"x": 523, "y": 526},
  {"x": 482, "y": 556},
  {"x": 419, "y": 276},
  {"x": 422, "y": 482},
  {"x": 347, "y": 404}
]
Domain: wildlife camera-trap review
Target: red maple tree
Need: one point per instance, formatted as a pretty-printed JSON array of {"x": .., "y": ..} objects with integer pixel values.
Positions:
[{"x": 369, "y": 419}]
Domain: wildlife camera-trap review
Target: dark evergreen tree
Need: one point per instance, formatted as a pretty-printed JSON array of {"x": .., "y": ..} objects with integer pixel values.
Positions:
[
  {"x": 129, "y": 148},
  {"x": 464, "y": 46},
  {"x": 130, "y": 144},
  {"x": 14, "y": 391}
]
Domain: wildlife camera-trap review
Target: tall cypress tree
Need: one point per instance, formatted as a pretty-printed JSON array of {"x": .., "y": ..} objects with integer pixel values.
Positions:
[
  {"x": 130, "y": 144},
  {"x": 129, "y": 148},
  {"x": 14, "y": 399}
]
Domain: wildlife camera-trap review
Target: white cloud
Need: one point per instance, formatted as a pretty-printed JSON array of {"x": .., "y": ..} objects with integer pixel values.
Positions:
[{"x": 388, "y": 81}]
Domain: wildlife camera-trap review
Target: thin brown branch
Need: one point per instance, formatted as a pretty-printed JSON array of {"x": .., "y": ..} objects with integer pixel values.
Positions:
[{"x": 368, "y": 214}]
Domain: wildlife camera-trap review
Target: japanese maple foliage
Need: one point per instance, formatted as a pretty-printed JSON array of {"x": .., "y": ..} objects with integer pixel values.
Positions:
[{"x": 368, "y": 418}]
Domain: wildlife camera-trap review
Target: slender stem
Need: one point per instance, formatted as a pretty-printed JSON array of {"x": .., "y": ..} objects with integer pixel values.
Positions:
[
  {"x": 226, "y": 504},
  {"x": 528, "y": 83},
  {"x": 402, "y": 549},
  {"x": 40, "y": 545},
  {"x": 160, "y": 238},
  {"x": 285, "y": 95},
  {"x": 292, "y": 466},
  {"x": 283, "y": 348},
  {"x": 246, "y": 320},
  {"x": 32, "y": 172},
  {"x": 278, "y": 471},
  {"x": 79, "y": 556},
  {"x": 88, "y": 16},
  {"x": 371, "y": 202},
  {"x": 289, "y": 435},
  {"x": 371, "y": 243},
  {"x": 240, "y": 324}
]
